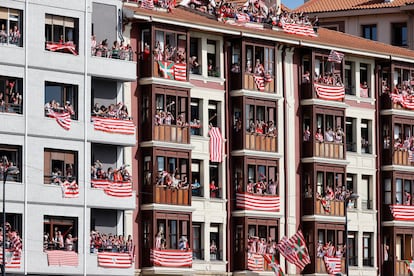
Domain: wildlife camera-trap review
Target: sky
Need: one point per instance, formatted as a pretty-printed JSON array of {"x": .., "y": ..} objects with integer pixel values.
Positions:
[{"x": 292, "y": 4}]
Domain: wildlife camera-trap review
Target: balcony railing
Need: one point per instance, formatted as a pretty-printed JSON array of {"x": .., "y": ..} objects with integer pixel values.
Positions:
[
  {"x": 261, "y": 142},
  {"x": 256, "y": 202},
  {"x": 165, "y": 195},
  {"x": 321, "y": 267},
  {"x": 259, "y": 83},
  {"x": 172, "y": 258},
  {"x": 11, "y": 108},
  {"x": 329, "y": 150},
  {"x": 403, "y": 157},
  {"x": 329, "y": 207},
  {"x": 401, "y": 268},
  {"x": 171, "y": 133}
]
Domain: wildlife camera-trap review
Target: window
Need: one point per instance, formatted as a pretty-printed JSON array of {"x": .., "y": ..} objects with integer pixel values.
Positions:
[
  {"x": 367, "y": 252},
  {"x": 349, "y": 78},
  {"x": 196, "y": 111},
  {"x": 332, "y": 125},
  {"x": 197, "y": 186},
  {"x": 195, "y": 54},
  {"x": 267, "y": 234},
  {"x": 169, "y": 45},
  {"x": 364, "y": 78},
  {"x": 215, "y": 248},
  {"x": 399, "y": 34},
  {"x": 334, "y": 236},
  {"x": 215, "y": 183},
  {"x": 403, "y": 247},
  {"x": 60, "y": 166},
  {"x": 235, "y": 59},
  {"x": 197, "y": 242},
  {"x": 350, "y": 134},
  {"x": 11, "y": 94},
  {"x": 14, "y": 158},
  {"x": 387, "y": 191},
  {"x": 177, "y": 230},
  {"x": 213, "y": 58},
  {"x": 260, "y": 119},
  {"x": 367, "y": 192},
  {"x": 175, "y": 169},
  {"x": 60, "y": 233},
  {"x": 11, "y": 19},
  {"x": 353, "y": 250},
  {"x": 61, "y": 97},
  {"x": 366, "y": 126},
  {"x": 62, "y": 30},
  {"x": 351, "y": 186},
  {"x": 171, "y": 109},
  {"x": 263, "y": 178},
  {"x": 369, "y": 32},
  {"x": 329, "y": 181},
  {"x": 213, "y": 119}
]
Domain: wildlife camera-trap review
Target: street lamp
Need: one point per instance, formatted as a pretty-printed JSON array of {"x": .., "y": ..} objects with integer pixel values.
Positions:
[
  {"x": 346, "y": 201},
  {"x": 7, "y": 169}
]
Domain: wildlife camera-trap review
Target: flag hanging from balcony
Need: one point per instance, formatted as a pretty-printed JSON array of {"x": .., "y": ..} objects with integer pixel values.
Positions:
[
  {"x": 410, "y": 266},
  {"x": 172, "y": 258},
  {"x": 13, "y": 258},
  {"x": 403, "y": 100},
  {"x": 363, "y": 92},
  {"x": 112, "y": 125},
  {"x": 255, "y": 262},
  {"x": 15, "y": 241},
  {"x": 114, "y": 260},
  {"x": 260, "y": 82},
  {"x": 100, "y": 183},
  {"x": 333, "y": 264},
  {"x": 147, "y": 4},
  {"x": 70, "y": 189},
  {"x": 329, "y": 92},
  {"x": 299, "y": 29},
  {"x": 216, "y": 143},
  {"x": 119, "y": 189},
  {"x": 180, "y": 71},
  {"x": 63, "y": 119},
  {"x": 62, "y": 258},
  {"x": 410, "y": 156},
  {"x": 242, "y": 17},
  {"x": 62, "y": 47},
  {"x": 166, "y": 69},
  {"x": 335, "y": 56},
  {"x": 402, "y": 212},
  {"x": 295, "y": 250},
  {"x": 274, "y": 264},
  {"x": 249, "y": 201}
]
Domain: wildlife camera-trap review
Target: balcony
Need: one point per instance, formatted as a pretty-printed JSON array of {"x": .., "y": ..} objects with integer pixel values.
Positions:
[
  {"x": 124, "y": 68},
  {"x": 116, "y": 195},
  {"x": 403, "y": 157},
  {"x": 401, "y": 268},
  {"x": 329, "y": 150},
  {"x": 402, "y": 212},
  {"x": 261, "y": 142},
  {"x": 323, "y": 91},
  {"x": 165, "y": 195},
  {"x": 259, "y": 83},
  {"x": 258, "y": 202},
  {"x": 172, "y": 134},
  {"x": 321, "y": 267},
  {"x": 329, "y": 207},
  {"x": 109, "y": 264},
  {"x": 115, "y": 131},
  {"x": 172, "y": 258}
]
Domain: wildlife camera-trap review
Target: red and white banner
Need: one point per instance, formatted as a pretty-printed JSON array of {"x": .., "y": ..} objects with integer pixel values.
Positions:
[
  {"x": 293, "y": 28},
  {"x": 100, "y": 183},
  {"x": 260, "y": 82},
  {"x": 13, "y": 258},
  {"x": 70, "y": 189},
  {"x": 333, "y": 264},
  {"x": 63, "y": 119},
  {"x": 216, "y": 145},
  {"x": 406, "y": 101},
  {"x": 335, "y": 56},
  {"x": 363, "y": 92},
  {"x": 255, "y": 262},
  {"x": 402, "y": 212},
  {"x": 242, "y": 17},
  {"x": 112, "y": 125},
  {"x": 119, "y": 189},
  {"x": 295, "y": 250},
  {"x": 172, "y": 258},
  {"x": 114, "y": 260},
  {"x": 180, "y": 71},
  {"x": 147, "y": 4},
  {"x": 63, "y": 47},
  {"x": 254, "y": 202},
  {"x": 330, "y": 92},
  {"x": 62, "y": 258}
]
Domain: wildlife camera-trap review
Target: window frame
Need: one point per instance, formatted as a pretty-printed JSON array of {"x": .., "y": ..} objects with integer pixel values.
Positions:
[
  {"x": 18, "y": 21},
  {"x": 67, "y": 155},
  {"x": 68, "y": 92},
  {"x": 70, "y": 223},
  {"x": 69, "y": 27},
  {"x": 372, "y": 31}
]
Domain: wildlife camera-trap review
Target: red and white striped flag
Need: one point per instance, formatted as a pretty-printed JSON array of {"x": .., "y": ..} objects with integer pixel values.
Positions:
[
  {"x": 410, "y": 156},
  {"x": 255, "y": 262},
  {"x": 216, "y": 144},
  {"x": 63, "y": 119},
  {"x": 70, "y": 189},
  {"x": 62, "y": 258},
  {"x": 335, "y": 56},
  {"x": 172, "y": 258},
  {"x": 111, "y": 125},
  {"x": 295, "y": 250},
  {"x": 65, "y": 47},
  {"x": 15, "y": 241},
  {"x": 260, "y": 82},
  {"x": 242, "y": 18},
  {"x": 114, "y": 260},
  {"x": 119, "y": 189},
  {"x": 180, "y": 71},
  {"x": 13, "y": 259},
  {"x": 333, "y": 264},
  {"x": 274, "y": 264},
  {"x": 299, "y": 29},
  {"x": 402, "y": 212},
  {"x": 100, "y": 183},
  {"x": 330, "y": 92},
  {"x": 147, "y": 4},
  {"x": 249, "y": 201}
]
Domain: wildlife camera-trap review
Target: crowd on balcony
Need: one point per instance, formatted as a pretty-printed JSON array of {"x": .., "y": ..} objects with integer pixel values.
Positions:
[
  {"x": 10, "y": 100},
  {"x": 103, "y": 242},
  {"x": 167, "y": 118},
  {"x": 336, "y": 136},
  {"x": 116, "y": 51},
  {"x": 329, "y": 78},
  {"x": 402, "y": 94},
  {"x": 13, "y": 240},
  {"x": 54, "y": 106},
  {"x": 60, "y": 241},
  {"x": 261, "y": 245},
  {"x": 167, "y": 52},
  {"x": 260, "y": 127},
  {"x": 406, "y": 145},
  {"x": 339, "y": 194},
  {"x": 114, "y": 111},
  {"x": 329, "y": 250},
  {"x": 262, "y": 187},
  {"x": 161, "y": 242},
  {"x": 172, "y": 180},
  {"x": 116, "y": 175},
  {"x": 11, "y": 37}
]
